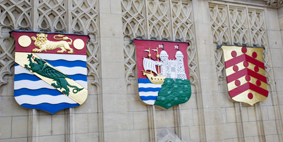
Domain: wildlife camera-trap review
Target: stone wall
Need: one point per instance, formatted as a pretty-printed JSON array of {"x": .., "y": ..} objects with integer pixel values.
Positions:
[{"x": 113, "y": 111}]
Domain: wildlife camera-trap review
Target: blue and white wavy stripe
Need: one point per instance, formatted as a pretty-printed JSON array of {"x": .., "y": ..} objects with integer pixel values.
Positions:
[
  {"x": 65, "y": 70},
  {"x": 148, "y": 91},
  {"x": 32, "y": 92}
]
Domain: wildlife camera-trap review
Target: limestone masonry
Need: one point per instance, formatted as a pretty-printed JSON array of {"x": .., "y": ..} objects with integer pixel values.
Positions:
[{"x": 113, "y": 111}]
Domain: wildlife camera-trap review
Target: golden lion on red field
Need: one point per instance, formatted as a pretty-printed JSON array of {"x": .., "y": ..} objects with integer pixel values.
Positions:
[{"x": 44, "y": 44}]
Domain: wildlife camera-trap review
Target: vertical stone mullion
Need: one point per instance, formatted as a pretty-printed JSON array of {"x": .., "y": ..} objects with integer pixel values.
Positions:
[
  {"x": 99, "y": 96},
  {"x": 238, "y": 106},
  {"x": 229, "y": 25},
  {"x": 249, "y": 28},
  {"x": 150, "y": 109},
  {"x": 146, "y": 17},
  {"x": 32, "y": 125},
  {"x": 33, "y": 114},
  {"x": 176, "y": 109},
  {"x": 259, "y": 121},
  {"x": 69, "y": 125},
  {"x": 34, "y": 15},
  {"x": 70, "y": 112},
  {"x": 274, "y": 75},
  {"x": 239, "y": 121},
  {"x": 151, "y": 123},
  {"x": 69, "y": 16},
  {"x": 113, "y": 83},
  {"x": 201, "y": 29},
  {"x": 177, "y": 121},
  {"x": 171, "y": 20}
]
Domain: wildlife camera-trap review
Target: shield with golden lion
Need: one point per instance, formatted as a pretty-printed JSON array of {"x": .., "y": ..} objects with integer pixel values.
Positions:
[{"x": 50, "y": 70}]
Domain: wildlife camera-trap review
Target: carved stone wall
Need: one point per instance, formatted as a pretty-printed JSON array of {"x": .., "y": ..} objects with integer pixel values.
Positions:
[
  {"x": 52, "y": 16},
  {"x": 247, "y": 26},
  {"x": 113, "y": 110},
  {"x": 160, "y": 20}
]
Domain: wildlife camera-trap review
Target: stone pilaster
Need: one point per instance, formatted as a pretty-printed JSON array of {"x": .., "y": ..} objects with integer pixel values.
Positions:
[{"x": 113, "y": 86}]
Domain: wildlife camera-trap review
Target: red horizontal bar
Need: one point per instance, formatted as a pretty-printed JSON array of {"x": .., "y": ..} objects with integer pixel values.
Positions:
[
  {"x": 246, "y": 87},
  {"x": 241, "y": 58},
  {"x": 244, "y": 72}
]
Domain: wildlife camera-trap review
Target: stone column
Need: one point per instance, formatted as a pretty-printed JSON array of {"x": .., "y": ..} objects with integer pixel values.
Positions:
[
  {"x": 207, "y": 81},
  {"x": 274, "y": 71},
  {"x": 113, "y": 86},
  {"x": 211, "y": 104}
]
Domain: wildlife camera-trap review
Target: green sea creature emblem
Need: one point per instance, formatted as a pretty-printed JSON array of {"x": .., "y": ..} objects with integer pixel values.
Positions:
[{"x": 39, "y": 66}]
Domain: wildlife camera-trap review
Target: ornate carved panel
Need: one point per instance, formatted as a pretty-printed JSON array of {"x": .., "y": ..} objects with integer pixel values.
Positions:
[
  {"x": 219, "y": 24},
  {"x": 13, "y": 15},
  {"x": 220, "y": 30},
  {"x": 237, "y": 26},
  {"x": 84, "y": 21},
  {"x": 134, "y": 26},
  {"x": 52, "y": 15},
  {"x": 157, "y": 19}
]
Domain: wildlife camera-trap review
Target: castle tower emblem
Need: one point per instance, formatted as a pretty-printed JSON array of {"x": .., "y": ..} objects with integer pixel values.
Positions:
[{"x": 163, "y": 72}]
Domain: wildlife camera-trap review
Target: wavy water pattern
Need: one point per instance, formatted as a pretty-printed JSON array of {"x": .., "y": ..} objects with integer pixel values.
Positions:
[
  {"x": 32, "y": 92},
  {"x": 25, "y": 76},
  {"x": 66, "y": 70},
  {"x": 37, "y": 92},
  {"x": 66, "y": 57},
  {"x": 51, "y": 108},
  {"x": 148, "y": 91},
  {"x": 67, "y": 63},
  {"x": 35, "y": 100}
]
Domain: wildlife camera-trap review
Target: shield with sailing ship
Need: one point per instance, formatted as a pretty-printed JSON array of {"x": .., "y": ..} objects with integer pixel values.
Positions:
[
  {"x": 245, "y": 73},
  {"x": 50, "y": 70},
  {"x": 163, "y": 73}
]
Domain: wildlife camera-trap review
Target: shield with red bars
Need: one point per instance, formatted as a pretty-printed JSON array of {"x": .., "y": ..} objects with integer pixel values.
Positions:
[{"x": 245, "y": 73}]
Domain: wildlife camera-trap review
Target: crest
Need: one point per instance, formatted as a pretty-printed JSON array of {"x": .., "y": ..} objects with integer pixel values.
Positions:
[
  {"x": 245, "y": 73},
  {"x": 50, "y": 70},
  {"x": 163, "y": 73}
]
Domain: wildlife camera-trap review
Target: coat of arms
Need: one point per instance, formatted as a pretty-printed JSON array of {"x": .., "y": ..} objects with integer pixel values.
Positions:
[
  {"x": 245, "y": 73},
  {"x": 163, "y": 72},
  {"x": 50, "y": 70}
]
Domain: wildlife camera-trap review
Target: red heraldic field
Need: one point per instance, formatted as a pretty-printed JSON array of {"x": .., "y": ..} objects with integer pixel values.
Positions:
[{"x": 163, "y": 73}]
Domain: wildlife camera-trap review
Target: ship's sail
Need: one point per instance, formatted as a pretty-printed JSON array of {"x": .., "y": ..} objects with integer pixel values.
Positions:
[{"x": 150, "y": 65}]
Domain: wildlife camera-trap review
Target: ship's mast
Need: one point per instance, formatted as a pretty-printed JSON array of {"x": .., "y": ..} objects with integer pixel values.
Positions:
[
  {"x": 149, "y": 57},
  {"x": 157, "y": 57}
]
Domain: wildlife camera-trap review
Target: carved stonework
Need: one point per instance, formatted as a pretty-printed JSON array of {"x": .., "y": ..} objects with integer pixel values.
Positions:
[
  {"x": 275, "y": 3},
  {"x": 52, "y": 16},
  {"x": 14, "y": 15},
  {"x": 84, "y": 17},
  {"x": 156, "y": 25},
  {"x": 237, "y": 26},
  {"x": 133, "y": 17}
]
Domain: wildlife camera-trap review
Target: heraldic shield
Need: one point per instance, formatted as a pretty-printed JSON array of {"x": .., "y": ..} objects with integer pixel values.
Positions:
[
  {"x": 245, "y": 74},
  {"x": 50, "y": 70},
  {"x": 163, "y": 73}
]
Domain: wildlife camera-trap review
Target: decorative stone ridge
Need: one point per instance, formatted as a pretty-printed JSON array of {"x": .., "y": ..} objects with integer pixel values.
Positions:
[{"x": 275, "y": 3}]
